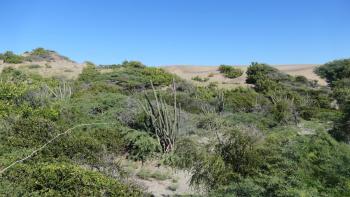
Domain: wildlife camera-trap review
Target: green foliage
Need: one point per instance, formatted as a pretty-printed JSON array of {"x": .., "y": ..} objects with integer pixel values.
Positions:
[
  {"x": 200, "y": 79},
  {"x": 10, "y": 57},
  {"x": 63, "y": 179},
  {"x": 129, "y": 77},
  {"x": 256, "y": 72},
  {"x": 296, "y": 164},
  {"x": 28, "y": 132},
  {"x": 335, "y": 70},
  {"x": 210, "y": 172},
  {"x": 341, "y": 130},
  {"x": 89, "y": 73},
  {"x": 140, "y": 145},
  {"x": 238, "y": 150},
  {"x": 235, "y": 142},
  {"x": 187, "y": 152},
  {"x": 261, "y": 120},
  {"x": 236, "y": 156},
  {"x": 148, "y": 175},
  {"x": 34, "y": 66},
  {"x": 243, "y": 100},
  {"x": 133, "y": 64},
  {"x": 283, "y": 110},
  {"x": 230, "y": 71},
  {"x": 301, "y": 79},
  {"x": 341, "y": 91},
  {"x": 40, "y": 52}
]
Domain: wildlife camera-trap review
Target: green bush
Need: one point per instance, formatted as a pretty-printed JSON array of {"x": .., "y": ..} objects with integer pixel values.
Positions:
[
  {"x": 235, "y": 156},
  {"x": 230, "y": 72},
  {"x": 335, "y": 70},
  {"x": 243, "y": 100},
  {"x": 341, "y": 91},
  {"x": 89, "y": 73},
  {"x": 64, "y": 179},
  {"x": 39, "y": 52},
  {"x": 284, "y": 111},
  {"x": 301, "y": 79},
  {"x": 34, "y": 66},
  {"x": 258, "y": 71},
  {"x": 187, "y": 152},
  {"x": 140, "y": 145},
  {"x": 341, "y": 130},
  {"x": 200, "y": 79},
  {"x": 10, "y": 57},
  {"x": 133, "y": 64},
  {"x": 130, "y": 77},
  {"x": 29, "y": 132}
]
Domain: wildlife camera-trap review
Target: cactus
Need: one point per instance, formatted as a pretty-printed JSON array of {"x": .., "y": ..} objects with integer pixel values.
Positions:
[{"x": 161, "y": 120}]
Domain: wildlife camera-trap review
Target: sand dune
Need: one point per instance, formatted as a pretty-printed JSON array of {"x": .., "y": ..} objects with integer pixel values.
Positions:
[{"x": 188, "y": 72}]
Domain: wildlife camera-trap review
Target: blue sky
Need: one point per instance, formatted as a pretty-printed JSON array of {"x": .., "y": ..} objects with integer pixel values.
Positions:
[{"x": 164, "y": 32}]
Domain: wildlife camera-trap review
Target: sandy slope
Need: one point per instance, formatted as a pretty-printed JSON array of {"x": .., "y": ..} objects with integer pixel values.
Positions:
[
  {"x": 188, "y": 72},
  {"x": 57, "y": 67}
]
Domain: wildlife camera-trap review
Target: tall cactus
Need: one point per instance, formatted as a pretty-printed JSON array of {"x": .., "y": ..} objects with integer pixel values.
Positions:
[{"x": 162, "y": 120}]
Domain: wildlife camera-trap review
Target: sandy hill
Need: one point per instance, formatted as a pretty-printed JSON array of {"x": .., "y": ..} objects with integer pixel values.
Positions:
[
  {"x": 47, "y": 64},
  {"x": 188, "y": 72}
]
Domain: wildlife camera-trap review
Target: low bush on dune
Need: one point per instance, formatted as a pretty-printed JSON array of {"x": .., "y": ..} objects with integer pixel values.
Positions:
[
  {"x": 230, "y": 71},
  {"x": 200, "y": 79}
]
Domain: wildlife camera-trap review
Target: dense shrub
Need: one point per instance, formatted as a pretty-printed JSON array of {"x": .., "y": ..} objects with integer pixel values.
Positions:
[
  {"x": 284, "y": 111},
  {"x": 258, "y": 71},
  {"x": 34, "y": 66},
  {"x": 40, "y": 52},
  {"x": 301, "y": 79},
  {"x": 29, "y": 132},
  {"x": 137, "y": 78},
  {"x": 236, "y": 156},
  {"x": 140, "y": 145},
  {"x": 230, "y": 71},
  {"x": 89, "y": 73},
  {"x": 243, "y": 100},
  {"x": 187, "y": 152},
  {"x": 341, "y": 130},
  {"x": 341, "y": 91},
  {"x": 64, "y": 179},
  {"x": 133, "y": 64},
  {"x": 200, "y": 79},
  {"x": 335, "y": 70},
  {"x": 302, "y": 164},
  {"x": 10, "y": 57}
]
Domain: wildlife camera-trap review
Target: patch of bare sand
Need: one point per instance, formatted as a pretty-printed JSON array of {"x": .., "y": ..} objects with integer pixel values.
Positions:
[
  {"x": 57, "y": 67},
  {"x": 188, "y": 72},
  {"x": 176, "y": 183}
]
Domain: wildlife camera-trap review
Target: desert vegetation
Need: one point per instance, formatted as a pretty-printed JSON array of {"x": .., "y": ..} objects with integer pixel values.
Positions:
[
  {"x": 118, "y": 126},
  {"x": 230, "y": 71}
]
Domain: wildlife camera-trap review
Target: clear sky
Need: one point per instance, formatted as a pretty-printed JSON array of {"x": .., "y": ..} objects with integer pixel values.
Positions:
[{"x": 164, "y": 32}]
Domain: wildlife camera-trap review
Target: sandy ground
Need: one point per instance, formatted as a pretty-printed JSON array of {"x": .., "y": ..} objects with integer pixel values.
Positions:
[
  {"x": 188, "y": 72},
  {"x": 156, "y": 187},
  {"x": 58, "y": 67}
]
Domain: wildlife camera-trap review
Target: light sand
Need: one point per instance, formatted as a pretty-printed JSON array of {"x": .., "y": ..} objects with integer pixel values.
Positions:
[
  {"x": 188, "y": 72},
  {"x": 58, "y": 67}
]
